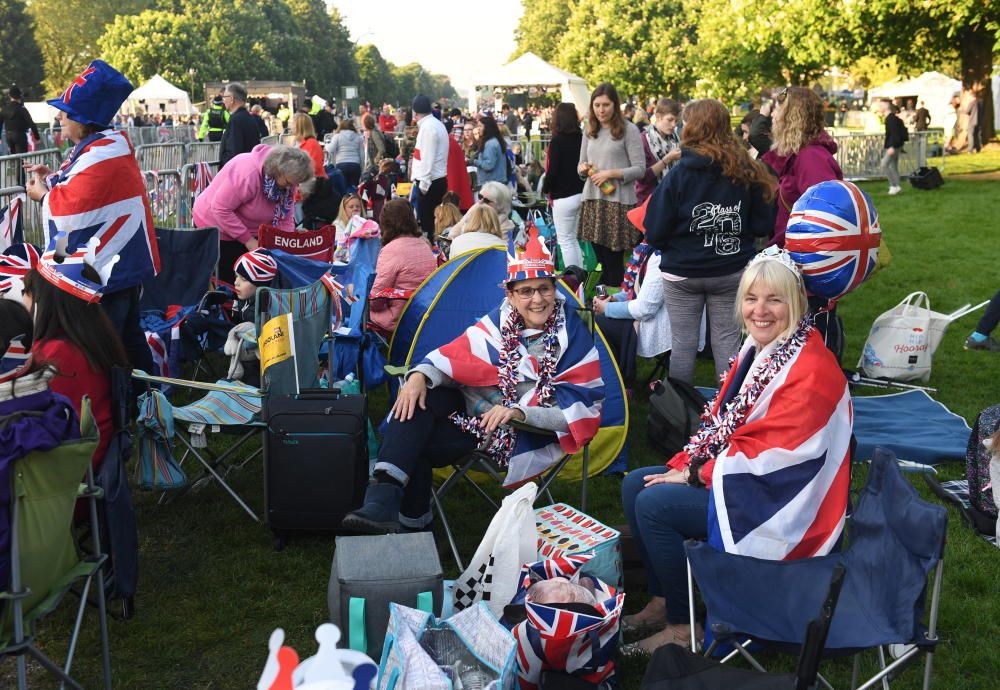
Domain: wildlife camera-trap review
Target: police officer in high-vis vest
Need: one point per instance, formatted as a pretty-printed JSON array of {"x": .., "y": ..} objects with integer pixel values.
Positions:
[{"x": 213, "y": 121}]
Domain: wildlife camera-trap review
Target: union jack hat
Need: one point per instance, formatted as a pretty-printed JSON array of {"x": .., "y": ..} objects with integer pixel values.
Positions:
[
  {"x": 18, "y": 259},
  {"x": 15, "y": 360},
  {"x": 257, "y": 266},
  {"x": 95, "y": 95},
  {"x": 528, "y": 257},
  {"x": 66, "y": 272}
]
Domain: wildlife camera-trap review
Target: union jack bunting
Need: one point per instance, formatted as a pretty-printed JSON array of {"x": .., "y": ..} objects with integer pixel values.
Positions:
[
  {"x": 557, "y": 639},
  {"x": 100, "y": 193},
  {"x": 779, "y": 489},
  {"x": 473, "y": 359},
  {"x": 203, "y": 176},
  {"x": 12, "y": 222},
  {"x": 833, "y": 233}
]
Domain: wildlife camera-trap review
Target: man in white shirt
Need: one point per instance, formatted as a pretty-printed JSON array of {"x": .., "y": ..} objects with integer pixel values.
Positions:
[{"x": 430, "y": 162}]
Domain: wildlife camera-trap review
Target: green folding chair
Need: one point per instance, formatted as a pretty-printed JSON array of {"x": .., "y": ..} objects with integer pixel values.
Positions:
[{"x": 45, "y": 563}]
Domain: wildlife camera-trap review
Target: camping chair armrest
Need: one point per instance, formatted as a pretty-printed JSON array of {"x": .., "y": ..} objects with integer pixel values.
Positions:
[
  {"x": 85, "y": 491},
  {"x": 393, "y": 370},
  {"x": 521, "y": 426},
  {"x": 140, "y": 375},
  {"x": 214, "y": 298},
  {"x": 12, "y": 596}
]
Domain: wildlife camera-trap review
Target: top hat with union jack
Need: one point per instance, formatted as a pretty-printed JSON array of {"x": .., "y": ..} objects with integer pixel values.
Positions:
[{"x": 95, "y": 96}]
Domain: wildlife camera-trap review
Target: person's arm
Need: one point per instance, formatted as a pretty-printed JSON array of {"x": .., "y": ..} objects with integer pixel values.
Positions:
[
  {"x": 649, "y": 300},
  {"x": 813, "y": 166},
  {"x": 549, "y": 418},
  {"x": 661, "y": 213},
  {"x": 224, "y": 205},
  {"x": 203, "y": 130},
  {"x": 237, "y": 137},
  {"x": 386, "y": 271},
  {"x": 435, "y": 377},
  {"x": 583, "y": 161},
  {"x": 653, "y": 166},
  {"x": 762, "y": 213},
  {"x": 490, "y": 157},
  {"x": 636, "y": 156},
  {"x": 32, "y": 126},
  {"x": 551, "y": 164}
]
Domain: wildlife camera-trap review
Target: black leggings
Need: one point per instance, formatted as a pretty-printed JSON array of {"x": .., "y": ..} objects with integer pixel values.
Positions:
[{"x": 612, "y": 265}]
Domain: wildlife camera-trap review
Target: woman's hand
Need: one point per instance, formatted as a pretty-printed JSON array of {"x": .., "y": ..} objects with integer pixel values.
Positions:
[
  {"x": 600, "y": 304},
  {"x": 669, "y": 477},
  {"x": 583, "y": 168},
  {"x": 498, "y": 415},
  {"x": 36, "y": 189},
  {"x": 42, "y": 170},
  {"x": 674, "y": 155},
  {"x": 599, "y": 178},
  {"x": 413, "y": 393},
  {"x": 766, "y": 109},
  {"x": 251, "y": 244}
]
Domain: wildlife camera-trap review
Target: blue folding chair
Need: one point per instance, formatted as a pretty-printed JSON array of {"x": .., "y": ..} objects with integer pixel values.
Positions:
[{"x": 895, "y": 541}]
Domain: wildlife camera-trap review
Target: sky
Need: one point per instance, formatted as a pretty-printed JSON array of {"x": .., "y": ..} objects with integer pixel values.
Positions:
[{"x": 444, "y": 36}]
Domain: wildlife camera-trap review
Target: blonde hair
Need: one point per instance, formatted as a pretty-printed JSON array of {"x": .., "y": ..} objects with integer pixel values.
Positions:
[
  {"x": 802, "y": 120},
  {"x": 786, "y": 284},
  {"x": 302, "y": 127},
  {"x": 342, "y": 216},
  {"x": 445, "y": 216},
  {"x": 482, "y": 218}
]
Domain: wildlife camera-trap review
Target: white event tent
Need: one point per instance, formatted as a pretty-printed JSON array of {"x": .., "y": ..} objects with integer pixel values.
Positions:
[
  {"x": 530, "y": 71},
  {"x": 159, "y": 96},
  {"x": 934, "y": 88}
]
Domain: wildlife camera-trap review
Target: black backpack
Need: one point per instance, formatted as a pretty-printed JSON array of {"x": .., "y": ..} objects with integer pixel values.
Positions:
[
  {"x": 216, "y": 118},
  {"x": 391, "y": 147},
  {"x": 675, "y": 411}
]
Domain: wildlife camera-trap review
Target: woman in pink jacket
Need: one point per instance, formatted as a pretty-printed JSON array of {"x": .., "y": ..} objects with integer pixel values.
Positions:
[
  {"x": 404, "y": 261},
  {"x": 254, "y": 189}
]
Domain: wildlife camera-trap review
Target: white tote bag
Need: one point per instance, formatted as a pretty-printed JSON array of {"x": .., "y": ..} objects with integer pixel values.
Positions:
[
  {"x": 902, "y": 341},
  {"x": 511, "y": 541}
]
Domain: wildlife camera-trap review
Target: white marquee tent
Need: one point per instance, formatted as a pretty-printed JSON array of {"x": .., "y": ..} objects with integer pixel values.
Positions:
[
  {"x": 159, "y": 96},
  {"x": 530, "y": 71},
  {"x": 934, "y": 88}
]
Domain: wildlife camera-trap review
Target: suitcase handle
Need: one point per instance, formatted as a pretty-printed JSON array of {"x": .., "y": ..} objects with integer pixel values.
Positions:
[{"x": 316, "y": 393}]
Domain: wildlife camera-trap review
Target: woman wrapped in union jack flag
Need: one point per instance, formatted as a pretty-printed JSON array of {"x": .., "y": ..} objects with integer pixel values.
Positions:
[
  {"x": 767, "y": 473},
  {"x": 530, "y": 360}
]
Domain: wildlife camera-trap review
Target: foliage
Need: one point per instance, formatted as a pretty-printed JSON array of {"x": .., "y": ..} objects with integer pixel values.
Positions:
[
  {"x": 540, "y": 28},
  {"x": 20, "y": 56},
  {"x": 376, "y": 83},
  {"x": 327, "y": 59},
  {"x": 67, "y": 31},
  {"x": 643, "y": 47}
]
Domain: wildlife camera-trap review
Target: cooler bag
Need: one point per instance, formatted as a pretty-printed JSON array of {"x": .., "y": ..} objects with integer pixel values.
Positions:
[{"x": 565, "y": 531}]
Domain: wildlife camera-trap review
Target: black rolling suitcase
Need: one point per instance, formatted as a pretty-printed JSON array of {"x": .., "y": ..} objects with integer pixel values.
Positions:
[{"x": 315, "y": 460}]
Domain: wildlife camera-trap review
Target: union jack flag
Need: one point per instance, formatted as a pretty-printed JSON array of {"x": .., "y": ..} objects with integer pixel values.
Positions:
[
  {"x": 473, "y": 359},
  {"x": 779, "y": 489},
  {"x": 552, "y": 638},
  {"x": 12, "y": 223},
  {"x": 99, "y": 192},
  {"x": 833, "y": 233},
  {"x": 13, "y": 360}
]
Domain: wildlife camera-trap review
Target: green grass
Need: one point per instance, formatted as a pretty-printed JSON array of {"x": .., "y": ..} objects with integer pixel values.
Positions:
[{"x": 212, "y": 589}]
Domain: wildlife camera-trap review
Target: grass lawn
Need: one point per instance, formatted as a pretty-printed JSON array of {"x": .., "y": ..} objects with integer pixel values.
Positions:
[{"x": 212, "y": 589}]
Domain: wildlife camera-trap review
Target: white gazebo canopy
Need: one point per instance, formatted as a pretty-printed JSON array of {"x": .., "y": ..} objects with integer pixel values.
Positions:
[
  {"x": 529, "y": 71},
  {"x": 933, "y": 88},
  {"x": 159, "y": 96}
]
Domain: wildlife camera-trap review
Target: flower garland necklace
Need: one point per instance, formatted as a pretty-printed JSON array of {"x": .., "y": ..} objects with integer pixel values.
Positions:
[
  {"x": 282, "y": 198},
  {"x": 714, "y": 433},
  {"x": 635, "y": 263},
  {"x": 504, "y": 437}
]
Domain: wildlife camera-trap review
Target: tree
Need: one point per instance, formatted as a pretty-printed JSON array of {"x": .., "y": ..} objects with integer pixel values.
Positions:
[
  {"x": 329, "y": 60},
  {"x": 376, "y": 81},
  {"x": 20, "y": 56},
  {"x": 67, "y": 32},
  {"x": 643, "y": 47},
  {"x": 157, "y": 42},
  {"x": 540, "y": 28}
]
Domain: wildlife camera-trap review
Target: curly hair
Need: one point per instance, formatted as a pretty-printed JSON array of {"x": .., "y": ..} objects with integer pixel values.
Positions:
[
  {"x": 617, "y": 119},
  {"x": 707, "y": 131},
  {"x": 397, "y": 220},
  {"x": 800, "y": 122}
]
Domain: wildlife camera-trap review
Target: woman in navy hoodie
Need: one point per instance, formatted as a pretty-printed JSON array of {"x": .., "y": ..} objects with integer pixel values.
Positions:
[{"x": 704, "y": 217}]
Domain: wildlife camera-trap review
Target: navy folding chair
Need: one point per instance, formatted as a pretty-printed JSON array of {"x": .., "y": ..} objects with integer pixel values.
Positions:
[{"x": 895, "y": 541}]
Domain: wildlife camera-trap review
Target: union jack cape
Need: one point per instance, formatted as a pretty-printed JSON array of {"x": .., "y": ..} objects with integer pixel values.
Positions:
[
  {"x": 12, "y": 222},
  {"x": 99, "y": 192},
  {"x": 473, "y": 359},
  {"x": 779, "y": 489},
  {"x": 558, "y": 639}
]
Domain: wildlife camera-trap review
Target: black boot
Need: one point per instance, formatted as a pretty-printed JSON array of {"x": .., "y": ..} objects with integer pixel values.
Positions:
[{"x": 380, "y": 512}]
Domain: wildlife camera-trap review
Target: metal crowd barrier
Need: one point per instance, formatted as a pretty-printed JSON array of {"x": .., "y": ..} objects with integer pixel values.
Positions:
[
  {"x": 180, "y": 134},
  {"x": 34, "y": 230},
  {"x": 160, "y": 156},
  {"x": 201, "y": 151},
  {"x": 12, "y": 167},
  {"x": 860, "y": 155},
  {"x": 164, "y": 190},
  {"x": 189, "y": 191}
]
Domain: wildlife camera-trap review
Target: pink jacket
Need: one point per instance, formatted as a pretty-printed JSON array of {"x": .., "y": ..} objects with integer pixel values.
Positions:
[
  {"x": 814, "y": 163},
  {"x": 403, "y": 264},
  {"x": 235, "y": 203}
]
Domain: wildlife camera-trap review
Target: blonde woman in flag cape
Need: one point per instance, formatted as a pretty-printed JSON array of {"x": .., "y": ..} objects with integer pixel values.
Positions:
[
  {"x": 530, "y": 360},
  {"x": 768, "y": 472}
]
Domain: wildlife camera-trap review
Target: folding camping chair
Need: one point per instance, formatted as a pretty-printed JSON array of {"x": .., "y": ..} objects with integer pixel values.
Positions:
[
  {"x": 182, "y": 321},
  {"x": 45, "y": 565},
  {"x": 317, "y": 245},
  {"x": 233, "y": 408},
  {"x": 895, "y": 540}
]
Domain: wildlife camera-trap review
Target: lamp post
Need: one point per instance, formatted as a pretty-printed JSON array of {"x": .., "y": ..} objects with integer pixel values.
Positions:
[{"x": 191, "y": 72}]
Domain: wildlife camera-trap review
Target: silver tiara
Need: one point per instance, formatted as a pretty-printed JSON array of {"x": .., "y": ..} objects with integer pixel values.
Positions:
[{"x": 774, "y": 253}]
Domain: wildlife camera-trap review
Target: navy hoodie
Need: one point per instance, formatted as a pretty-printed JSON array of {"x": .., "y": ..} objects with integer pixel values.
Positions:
[{"x": 703, "y": 223}]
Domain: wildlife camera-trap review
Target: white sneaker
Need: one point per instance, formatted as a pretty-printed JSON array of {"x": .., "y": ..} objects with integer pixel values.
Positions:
[{"x": 895, "y": 190}]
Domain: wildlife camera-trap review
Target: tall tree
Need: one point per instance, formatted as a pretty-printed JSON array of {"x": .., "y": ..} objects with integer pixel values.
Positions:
[
  {"x": 328, "y": 51},
  {"x": 67, "y": 32},
  {"x": 540, "y": 28},
  {"x": 643, "y": 47},
  {"x": 376, "y": 81},
  {"x": 20, "y": 56}
]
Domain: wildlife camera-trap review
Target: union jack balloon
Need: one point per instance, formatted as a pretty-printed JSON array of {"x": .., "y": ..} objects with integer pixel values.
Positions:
[{"x": 834, "y": 236}]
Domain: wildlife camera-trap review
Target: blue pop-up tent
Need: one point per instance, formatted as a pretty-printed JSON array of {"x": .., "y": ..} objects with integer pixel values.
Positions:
[{"x": 457, "y": 295}]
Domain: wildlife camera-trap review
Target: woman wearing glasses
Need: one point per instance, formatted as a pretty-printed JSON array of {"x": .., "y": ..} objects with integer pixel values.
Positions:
[
  {"x": 801, "y": 152},
  {"x": 497, "y": 196},
  {"x": 529, "y": 360}
]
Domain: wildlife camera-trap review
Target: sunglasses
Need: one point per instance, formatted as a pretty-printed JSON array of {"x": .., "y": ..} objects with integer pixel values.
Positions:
[
  {"x": 486, "y": 200},
  {"x": 782, "y": 96},
  {"x": 529, "y": 292}
]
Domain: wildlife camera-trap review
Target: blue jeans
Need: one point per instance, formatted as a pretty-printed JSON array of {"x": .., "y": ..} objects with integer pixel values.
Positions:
[{"x": 661, "y": 517}]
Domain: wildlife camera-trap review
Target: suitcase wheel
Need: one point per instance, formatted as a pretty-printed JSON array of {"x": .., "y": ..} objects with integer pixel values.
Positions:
[{"x": 280, "y": 539}]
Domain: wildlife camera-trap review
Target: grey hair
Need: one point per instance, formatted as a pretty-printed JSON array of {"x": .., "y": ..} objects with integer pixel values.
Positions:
[
  {"x": 237, "y": 91},
  {"x": 293, "y": 163},
  {"x": 501, "y": 197}
]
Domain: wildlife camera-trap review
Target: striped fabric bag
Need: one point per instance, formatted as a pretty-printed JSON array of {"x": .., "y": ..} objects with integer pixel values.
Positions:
[{"x": 157, "y": 470}]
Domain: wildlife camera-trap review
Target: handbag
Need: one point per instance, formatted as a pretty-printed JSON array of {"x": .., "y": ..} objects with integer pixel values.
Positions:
[
  {"x": 511, "y": 540},
  {"x": 157, "y": 470},
  {"x": 902, "y": 341},
  {"x": 470, "y": 649}
]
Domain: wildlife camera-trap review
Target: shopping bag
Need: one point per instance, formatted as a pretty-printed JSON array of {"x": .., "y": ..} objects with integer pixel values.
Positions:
[
  {"x": 902, "y": 341},
  {"x": 511, "y": 540},
  {"x": 470, "y": 650},
  {"x": 157, "y": 470},
  {"x": 574, "y": 638}
]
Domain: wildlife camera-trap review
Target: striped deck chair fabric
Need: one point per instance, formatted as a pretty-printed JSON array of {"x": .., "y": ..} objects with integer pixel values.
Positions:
[{"x": 224, "y": 408}]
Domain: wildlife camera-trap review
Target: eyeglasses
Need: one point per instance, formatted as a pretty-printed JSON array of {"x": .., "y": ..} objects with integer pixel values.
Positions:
[
  {"x": 529, "y": 292},
  {"x": 485, "y": 200},
  {"x": 782, "y": 96}
]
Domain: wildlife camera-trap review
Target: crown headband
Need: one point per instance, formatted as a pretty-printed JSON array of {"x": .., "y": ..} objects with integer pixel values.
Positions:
[{"x": 780, "y": 256}]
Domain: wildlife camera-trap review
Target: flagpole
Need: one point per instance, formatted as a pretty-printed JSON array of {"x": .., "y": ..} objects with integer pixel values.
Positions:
[{"x": 291, "y": 342}]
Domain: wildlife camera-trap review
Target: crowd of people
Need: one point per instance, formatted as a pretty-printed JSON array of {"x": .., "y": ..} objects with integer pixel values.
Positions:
[{"x": 677, "y": 207}]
